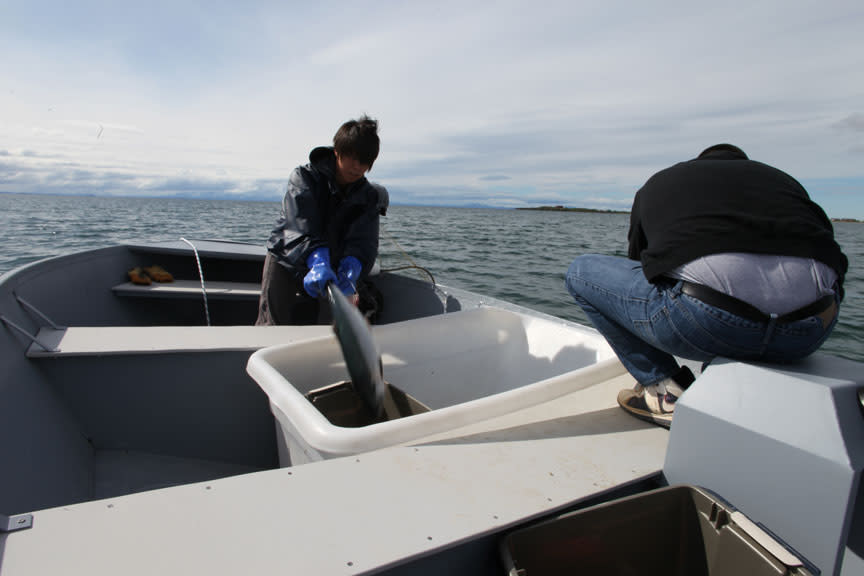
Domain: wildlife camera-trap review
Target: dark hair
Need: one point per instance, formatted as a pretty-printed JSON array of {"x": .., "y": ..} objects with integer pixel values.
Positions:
[
  {"x": 358, "y": 139},
  {"x": 724, "y": 148}
]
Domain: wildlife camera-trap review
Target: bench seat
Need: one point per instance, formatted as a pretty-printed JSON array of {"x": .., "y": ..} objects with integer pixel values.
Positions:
[
  {"x": 190, "y": 289},
  {"x": 106, "y": 340}
]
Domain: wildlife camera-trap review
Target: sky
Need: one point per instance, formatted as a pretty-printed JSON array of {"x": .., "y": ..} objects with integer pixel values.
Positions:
[{"x": 501, "y": 104}]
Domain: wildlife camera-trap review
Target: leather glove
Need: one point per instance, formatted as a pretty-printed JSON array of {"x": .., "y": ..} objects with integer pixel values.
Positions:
[
  {"x": 348, "y": 274},
  {"x": 320, "y": 274}
]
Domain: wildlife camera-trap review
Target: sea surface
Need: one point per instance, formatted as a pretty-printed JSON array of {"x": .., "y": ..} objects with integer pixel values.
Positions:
[{"x": 515, "y": 255}]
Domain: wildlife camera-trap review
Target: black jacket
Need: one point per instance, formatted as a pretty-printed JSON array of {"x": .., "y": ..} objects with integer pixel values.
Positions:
[
  {"x": 316, "y": 213},
  {"x": 726, "y": 203}
]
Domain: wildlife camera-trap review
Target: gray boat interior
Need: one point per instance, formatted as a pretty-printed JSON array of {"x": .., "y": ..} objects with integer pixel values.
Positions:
[
  {"x": 115, "y": 417},
  {"x": 115, "y": 390}
]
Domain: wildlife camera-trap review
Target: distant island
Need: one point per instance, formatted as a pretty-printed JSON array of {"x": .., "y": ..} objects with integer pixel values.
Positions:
[
  {"x": 594, "y": 211},
  {"x": 565, "y": 209}
]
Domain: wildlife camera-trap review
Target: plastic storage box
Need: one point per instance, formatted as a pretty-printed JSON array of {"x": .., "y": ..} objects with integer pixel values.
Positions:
[
  {"x": 463, "y": 367},
  {"x": 678, "y": 530}
]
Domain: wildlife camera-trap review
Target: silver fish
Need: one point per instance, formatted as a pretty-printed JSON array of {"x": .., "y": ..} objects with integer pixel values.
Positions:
[{"x": 359, "y": 350}]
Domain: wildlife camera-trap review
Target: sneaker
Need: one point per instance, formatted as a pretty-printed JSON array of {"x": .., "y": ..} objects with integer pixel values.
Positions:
[{"x": 656, "y": 403}]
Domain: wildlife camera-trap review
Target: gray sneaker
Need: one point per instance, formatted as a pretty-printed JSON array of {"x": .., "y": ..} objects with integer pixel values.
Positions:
[{"x": 656, "y": 403}]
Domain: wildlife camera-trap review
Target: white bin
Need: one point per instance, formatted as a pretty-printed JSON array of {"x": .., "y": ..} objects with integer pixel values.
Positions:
[{"x": 465, "y": 366}]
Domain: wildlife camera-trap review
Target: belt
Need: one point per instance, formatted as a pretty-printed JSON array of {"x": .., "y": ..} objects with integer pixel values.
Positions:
[{"x": 743, "y": 309}]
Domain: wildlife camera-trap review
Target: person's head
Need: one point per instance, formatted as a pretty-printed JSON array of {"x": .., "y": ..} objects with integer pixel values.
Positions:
[
  {"x": 356, "y": 147},
  {"x": 725, "y": 150}
]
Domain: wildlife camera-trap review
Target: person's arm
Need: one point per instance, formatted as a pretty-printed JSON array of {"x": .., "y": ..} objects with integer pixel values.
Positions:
[
  {"x": 636, "y": 235},
  {"x": 299, "y": 232},
  {"x": 361, "y": 237}
]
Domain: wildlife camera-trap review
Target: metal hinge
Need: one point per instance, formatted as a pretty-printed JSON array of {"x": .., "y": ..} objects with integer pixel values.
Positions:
[{"x": 17, "y": 522}]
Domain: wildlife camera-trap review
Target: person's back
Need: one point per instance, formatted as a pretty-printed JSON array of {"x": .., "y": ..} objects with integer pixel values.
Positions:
[
  {"x": 724, "y": 202},
  {"x": 721, "y": 239}
]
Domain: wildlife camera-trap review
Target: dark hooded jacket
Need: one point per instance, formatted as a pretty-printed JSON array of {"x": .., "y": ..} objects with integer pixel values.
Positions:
[
  {"x": 724, "y": 202},
  {"x": 316, "y": 213}
]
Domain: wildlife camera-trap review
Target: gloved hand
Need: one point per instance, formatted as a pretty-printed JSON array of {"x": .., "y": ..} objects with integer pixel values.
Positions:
[
  {"x": 349, "y": 272},
  {"x": 320, "y": 273}
]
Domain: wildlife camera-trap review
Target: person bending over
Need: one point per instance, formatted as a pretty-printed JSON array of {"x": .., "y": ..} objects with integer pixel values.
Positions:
[
  {"x": 727, "y": 257},
  {"x": 328, "y": 230}
]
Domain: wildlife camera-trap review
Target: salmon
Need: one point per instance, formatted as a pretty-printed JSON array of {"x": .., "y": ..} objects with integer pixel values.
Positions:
[{"x": 359, "y": 350}]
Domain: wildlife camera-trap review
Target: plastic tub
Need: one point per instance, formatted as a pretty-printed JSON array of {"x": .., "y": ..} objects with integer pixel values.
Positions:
[{"x": 464, "y": 367}]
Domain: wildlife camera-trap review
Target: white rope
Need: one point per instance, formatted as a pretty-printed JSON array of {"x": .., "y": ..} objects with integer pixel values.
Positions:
[{"x": 201, "y": 276}]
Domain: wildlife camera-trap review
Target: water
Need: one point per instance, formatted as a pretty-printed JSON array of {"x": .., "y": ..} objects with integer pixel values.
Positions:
[{"x": 516, "y": 255}]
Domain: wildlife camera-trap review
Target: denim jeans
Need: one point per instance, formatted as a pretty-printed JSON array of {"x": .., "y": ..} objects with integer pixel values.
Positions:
[{"x": 647, "y": 324}]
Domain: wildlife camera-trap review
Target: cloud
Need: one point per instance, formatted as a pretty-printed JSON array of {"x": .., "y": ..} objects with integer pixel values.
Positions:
[
  {"x": 20, "y": 176},
  {"x": 566, "y": 102},
  {"x": 853, "y": 123}
]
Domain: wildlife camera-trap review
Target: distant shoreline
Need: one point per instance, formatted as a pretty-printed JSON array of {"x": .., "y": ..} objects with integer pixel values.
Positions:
[
  {"x": 565, "y": 209},
  {"x": 276, "y": 200},
  {"x": 595, "y": 211}
]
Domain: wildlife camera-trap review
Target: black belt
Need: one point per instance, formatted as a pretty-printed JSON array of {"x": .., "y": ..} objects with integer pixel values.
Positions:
[{"x": 743, "y": 309}]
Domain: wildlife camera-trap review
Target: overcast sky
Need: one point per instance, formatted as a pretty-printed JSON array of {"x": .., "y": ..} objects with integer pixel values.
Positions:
[{"x": 493, "y": 103}]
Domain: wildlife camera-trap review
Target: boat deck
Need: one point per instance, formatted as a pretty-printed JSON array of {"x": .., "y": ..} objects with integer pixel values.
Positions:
[{"x": 374, "y": 511}]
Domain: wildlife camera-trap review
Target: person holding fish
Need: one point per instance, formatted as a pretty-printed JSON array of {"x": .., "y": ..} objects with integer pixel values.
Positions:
[{"x": 327, "y": 232}]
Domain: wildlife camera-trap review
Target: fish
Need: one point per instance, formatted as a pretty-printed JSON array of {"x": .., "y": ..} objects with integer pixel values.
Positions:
[{"x": 360, "y": 351}]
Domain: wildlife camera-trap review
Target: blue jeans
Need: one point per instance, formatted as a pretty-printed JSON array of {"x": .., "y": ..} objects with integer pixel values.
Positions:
[{"x": 648, "y": 324}]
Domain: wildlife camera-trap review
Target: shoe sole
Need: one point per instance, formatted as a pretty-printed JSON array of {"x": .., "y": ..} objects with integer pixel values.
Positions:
[{"x": 661, "y": 420}]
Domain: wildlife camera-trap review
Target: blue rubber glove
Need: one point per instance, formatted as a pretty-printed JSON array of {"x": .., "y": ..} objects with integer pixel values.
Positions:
[
  {"x": 319, "y": 275},
  {"x": 349, "y": 272}
]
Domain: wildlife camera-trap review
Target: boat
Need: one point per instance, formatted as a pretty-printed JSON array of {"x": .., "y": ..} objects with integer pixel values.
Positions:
[{"x": 153, "y": 428}]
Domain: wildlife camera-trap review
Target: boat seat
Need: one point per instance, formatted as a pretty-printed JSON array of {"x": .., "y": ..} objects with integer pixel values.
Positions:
[
  {"x": 191, "y": 289},
  {"x": 108, "y": 340}
]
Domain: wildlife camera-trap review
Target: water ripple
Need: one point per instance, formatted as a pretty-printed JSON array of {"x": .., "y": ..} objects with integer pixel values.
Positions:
[{"x": 516, "y": 255}]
